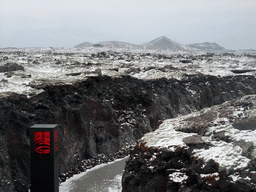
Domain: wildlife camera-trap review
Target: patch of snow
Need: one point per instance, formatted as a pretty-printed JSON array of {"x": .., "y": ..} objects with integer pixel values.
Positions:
[
  {"x": 227, "y": 155},
  {"x": 210, "y": 175},
  {"x": 247, "y": 135},
  {"x": 235, "y": 176},
  {"x": 165, "y": 135},
  {"x": 178, "y": 177},
  {"x": 239, "y": 113}
]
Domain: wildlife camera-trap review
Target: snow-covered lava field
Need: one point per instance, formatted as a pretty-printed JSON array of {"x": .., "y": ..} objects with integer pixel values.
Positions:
[{"x": 48, "y": 66}]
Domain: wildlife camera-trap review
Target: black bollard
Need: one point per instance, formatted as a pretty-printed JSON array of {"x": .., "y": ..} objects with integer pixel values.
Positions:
[{"x": 44, "y": 158}]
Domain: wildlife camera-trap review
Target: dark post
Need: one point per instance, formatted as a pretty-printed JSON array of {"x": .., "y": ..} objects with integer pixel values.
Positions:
[{"x": 44, "y": 158}]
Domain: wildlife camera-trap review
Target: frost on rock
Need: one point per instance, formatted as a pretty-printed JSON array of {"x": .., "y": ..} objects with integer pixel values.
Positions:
[
  {"x": 215, "y": 146},
  {"x": 178, "y": 177},
  {"x": 225, "y": 150}
]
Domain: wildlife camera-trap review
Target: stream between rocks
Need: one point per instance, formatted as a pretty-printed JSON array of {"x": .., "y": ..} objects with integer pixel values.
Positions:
[{"x": 102, "y": 178}]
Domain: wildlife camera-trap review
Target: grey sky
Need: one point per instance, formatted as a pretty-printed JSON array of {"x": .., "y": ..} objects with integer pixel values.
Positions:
[{"x": 230, "y": 23}]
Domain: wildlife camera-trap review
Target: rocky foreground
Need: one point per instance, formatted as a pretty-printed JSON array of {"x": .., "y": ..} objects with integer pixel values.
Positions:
[
  {"x": 210, "y": 150},
  {"x": 102, "y": 115}
]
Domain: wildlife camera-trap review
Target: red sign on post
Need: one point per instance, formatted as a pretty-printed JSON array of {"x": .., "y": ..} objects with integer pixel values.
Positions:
[
  {"x": 42, "y": 144},
  {"x": 44, "y": 158}
]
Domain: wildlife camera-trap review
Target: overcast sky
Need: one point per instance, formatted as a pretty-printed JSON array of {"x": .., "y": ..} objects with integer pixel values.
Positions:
[{"x": 230, "y": 23}]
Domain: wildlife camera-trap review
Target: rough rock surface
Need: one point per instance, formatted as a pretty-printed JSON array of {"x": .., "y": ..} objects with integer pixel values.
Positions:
[
  {"x": 210, "y": 150},
  {"x": 103, "y": 115},
  {"x": 11, "y": 67}
]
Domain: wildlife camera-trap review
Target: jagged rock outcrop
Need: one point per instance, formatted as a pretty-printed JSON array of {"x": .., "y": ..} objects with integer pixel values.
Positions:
[
  {"x": 102, "y": 115},
  {"x": 210, "y": 150},
  {"x": 10, "y": 67}
]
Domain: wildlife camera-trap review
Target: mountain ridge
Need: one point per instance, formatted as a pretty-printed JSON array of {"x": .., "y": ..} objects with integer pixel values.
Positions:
[
  {"x": 160, "y": 43},
  {"x": 206, "y": 46},
  {"x": 118, "y": 44}
]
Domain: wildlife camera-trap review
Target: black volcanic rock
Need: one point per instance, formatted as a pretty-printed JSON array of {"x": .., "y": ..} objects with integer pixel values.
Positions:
[
  {"x": 11, "y": 67},
  {"x": 239, "y": 71},
  {"x": 189, "y": 163},
  {"x": 194, "y": 140},
  {"x": 103, "y": 115}
]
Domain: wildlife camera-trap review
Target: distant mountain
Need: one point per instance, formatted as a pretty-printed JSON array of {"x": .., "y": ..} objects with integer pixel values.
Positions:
[
  {"x": 247, "y": 50},
  {"x": 207, "y": 46},
  {"x": 84, "y": 44},
  {"x": 160, "y": 43},
  {"x": 163, "y": 43},
  {"x": 118, "y": 44}
]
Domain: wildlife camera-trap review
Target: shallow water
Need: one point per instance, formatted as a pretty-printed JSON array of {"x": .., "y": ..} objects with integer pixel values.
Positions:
[{"x": 102, "y": 178}]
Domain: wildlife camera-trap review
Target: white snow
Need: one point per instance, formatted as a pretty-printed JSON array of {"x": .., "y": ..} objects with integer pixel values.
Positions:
[
  {"x": 165, "y": 135},
  {"x": 210, "y": 175},
  {"x": 43, "y": 66},
  {"x": 178, "y": 177},
  {"x": 227, "y": 155}
]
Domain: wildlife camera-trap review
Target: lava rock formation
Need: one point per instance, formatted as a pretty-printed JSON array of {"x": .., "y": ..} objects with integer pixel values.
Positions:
[{"x": 102, "y": 115}]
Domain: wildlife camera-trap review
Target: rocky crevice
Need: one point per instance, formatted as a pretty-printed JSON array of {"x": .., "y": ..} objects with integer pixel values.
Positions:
[
  {"x": 102, "y": 115},
  {"x": 162, "y": 170},
  {"x": 210, "y": 150}
]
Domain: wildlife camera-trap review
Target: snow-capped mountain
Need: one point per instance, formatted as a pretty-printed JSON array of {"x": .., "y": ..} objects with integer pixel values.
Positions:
[
  {"x": 206, "y": 46},
  {"x": 164, "y": 43}
]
